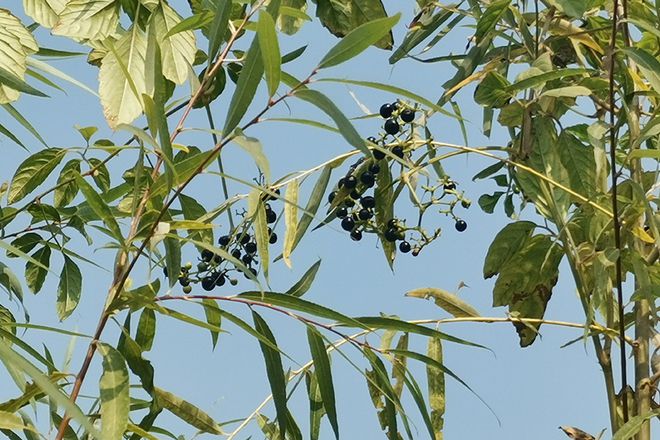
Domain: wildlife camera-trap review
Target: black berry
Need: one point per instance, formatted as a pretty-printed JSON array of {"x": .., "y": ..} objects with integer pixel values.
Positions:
[
  {"x": 378, "y": 155},
  {"x": 386, "y": 110},
  {"x": 332, "y": 196},
  {"x": 347, "y": 224},
  {"x": 391, "y": 126},
  {"x": 271, "y": 217},
  {"x": 251, "y": 247},
  {"x": 404, "y": 247},
  {"x": 391, "y": 234},
  {"x": 252, "y": 270},
  {"x": 340, "y": 182},
  {"x": 460, "y": 225},
  {"x": 208, "y": 283},
  {"x": 184, "y": 281},
  {"x": 368, "y": 179},
  {"x": 449, "y": 186},
  {"x": 356, "y": 235},
  {"x": 395, "y": 106},
  {"x": 371, "y": 139},
  {"x": 273, "y": 238},
  {"x": 220, "y": 279},
  {"x": 247, "y": 259},
  {"x": 342, "y": 212},
  {"x": 224, "y": 240},
  {"x": 207, "y": 255},
  {"x": 355, "y": 195},
  {"x": 397, "y": 150},
  {"x": 165, "y": 270},
  {"x": 364, "y": 214},
  {"x": 350, "y": 182},
  {"x": 374, "y": 168},
  {"x": 407, "y": 115},
  {"x": 368, "y": 202},
  {"x": 245, "y": 239},
  {"x": 392, "y": 224},
  {"x": 236, "y": 254}
]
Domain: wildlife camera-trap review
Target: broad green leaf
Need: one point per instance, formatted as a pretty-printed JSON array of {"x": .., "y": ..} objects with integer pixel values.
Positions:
[
  {"x": 100, "y": 175},
  {"x": 492, "y": 91},
  {"x": 358, "y": 40},
  {"x": 436, "y": 387},
  {"x": 274, "y": 371},
  {"x": 67, "y": 189},
  {"x": 16, "y": 43},
  {"x": 213, "y": 317},
  {"x": 447, "y": 301},
  {"x": 68, "y": 289},
  {"x": 10, "y": 282},
  {"x": 36, "y": 275},
  {"x": 44, "y": 12},
  {"x": 341, "y": 17},
  {"x": 100, "y": 208},
  {"x": 505, "y": 244},
  {"x": 489, "y": 20},
  {"x": 246, "y": 87},
  {"x": 323, "y": 375},
  {"x": 146, "y": 330},
  {"x": 270, "y": 51},
  {"x": 253, "y": 147},
  {"x": 290, "y": 220},
  {"x": 576, "y": 8},
  {"x": 345, "y": 126},
  {"x": 141, "y": 367},
  {"x": 488, "y": 202},
  {"x": 193, "y": 210},
  {"x": 177, "y": 49},
  {"x": 32, "y": 172},
  {"x": 313, "y": 205},
  {"x": 88, "y": 19},
  {"x": 25, "y": 243},
  {"x": 122, "y": 78},
  {"x": 187, "y": 412},
  {"x": 540, "y": 79},
  {"x": 305, "y": 282},
  {"x": 579, "y": 161},
  {"x": 288, "y": 22},
  {"x": 114, "y": 393},
  {"x": 172, "y": 256}
]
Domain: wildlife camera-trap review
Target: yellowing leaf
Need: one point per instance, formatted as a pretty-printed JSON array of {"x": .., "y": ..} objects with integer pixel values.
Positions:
[
  {"x": 16, "y": 43},
  {"x": 88, "y": 19},
  {"x": 290, "y": 220},
  {"x": 44, "y": 12},
  {"x": 449, "y": 302},
  {"x": 177, "y": 50}
]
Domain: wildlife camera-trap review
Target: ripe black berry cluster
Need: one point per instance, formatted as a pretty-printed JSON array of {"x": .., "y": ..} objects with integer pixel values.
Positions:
[
  {"x": 215, "y": 271},
  {"x": 393, "y": 114}
]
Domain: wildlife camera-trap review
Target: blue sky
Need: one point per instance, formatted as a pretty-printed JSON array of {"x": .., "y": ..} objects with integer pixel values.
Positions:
[{"x": 532, "y": 390}]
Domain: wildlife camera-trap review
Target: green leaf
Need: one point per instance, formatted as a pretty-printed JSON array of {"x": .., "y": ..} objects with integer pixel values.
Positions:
[
  {"x": 270, "y": 51},
  {"x": 566, "y": 92},
  {"x": 100, "y": 208},
  {"x": 213, "y": 317},
  {"x": 16, "y": 44},
  {"x": 323, "y": 375},
  {"x": 5, "y": 131},
  {"x": 488, "y": 202},
  {"x": 379, "y": 385},
  {"x": 341, "y": 17},
  {"x": 246, "y": 87},
  {"x": 289, "y": 22},
  {"x": 579, "y": 161},
  {"x": 305, "y": 282},
  {"x": 24, "y": 122},
  {"x": 359, "y": 39},
  {"x": 384, "y": 195},
  {"x": 68, "y": 289},
  {"x": 192, "y": 23},
  {"x": 537, "y": 80},
  {"x": 290, "y": 220},
  {"x": 32, "y": 172},
  {"x": 488, "y": 21},
  {"x": 9, "y": 80},
  {"x": 257, "y": 212},
  {"x": 345, "y": 126},
  {"x": 12, "y": 422},
  {"x": 146, "y": 330},
  {"x": 634, "y": 425},
  {"x": 114, "y": 393},
  {"x": 172, "y": 257},
  {"x": 141, "y": 367},
  {"x": 436, "y": 387},
  {"x": 313, "y": 205},
  {"x": 274, "y": 371},
  {"x": 316, "y": 408},
  {"x": 253, "y": 147},
  {"x": 447, "y": 301},
  {"x": 505, "y": 244},
  {"x": 36, "y": 275},
  {"x": 10, "y": 282},
  {"x": 177, "y": 49},
  {"x": 187, "y": 412},
  {"x": 66, "y": 192},
  {"x": 647, "y": 63},
  {"x": 492, "y": 91},
  {"x": 88, "y": 19},
  {"x": 421, "y": 31},
  {"x": 218, "y": 28}
]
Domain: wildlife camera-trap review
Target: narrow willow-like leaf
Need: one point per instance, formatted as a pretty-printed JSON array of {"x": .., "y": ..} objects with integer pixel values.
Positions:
[
  {"x": 270, "y": 51},
  {"x": 68, "y": 289},
  {"x": 647, "y": 63},
  {"x": 12, "y": 81},
  {"x": 172, "y": 257},
  {"x": 257, "y": 211},
  {"x": 246, "y": 87},
  {"x": 114, "y": 393},
  {"x": 436, "y": 387},
  {"x": 316, "y": 408},
  {"x": 345, "y": 126},
  {"x": 213, "y": 317},
  {"x": 253, "y": 147},
  {"x": 100, "y": 208},
  {"x": 399, "y": 365},
  {"x": 323, "y": 375},
  {"x": 379, "y": 385},
  {"x": 633, "y": 426},
  {"x": 218, "y": 28},
  {"x": 445, "y": 300},
  {"x": 274, "y": 371},
  {"x": 192, "y": 23},
  {"x": 489, "y": 19},
  {"x": 384, "y": 195},
  {"x": 11, "y": 136},
  {"x": 312, "y": 204},
  {"x": 32, "y": 172},
  {"x": 12, "y": 421},
  {"x": 24, "y": 122},
  {"x": 290, "y": 220},
  {"x": 146, "y": 330},
  {"x": 187, "y": 412},
  {"x": 305, "y": 282}
]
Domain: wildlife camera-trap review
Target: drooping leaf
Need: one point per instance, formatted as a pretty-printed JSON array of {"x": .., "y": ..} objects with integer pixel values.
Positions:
[
  {"x": 316, "y": 408},
  {"x": 187, "y": 412},
  {"x": 313, "y": 204},
  {"x": 257, "y": 212},
  {"x": 290, "y": 220},
  {"x": 417, "y": 34},
  {"x": 305, "y": 282},
  {"x": 489, "y": 19},
  {"x": 44, "y": 12},
  {"x": 270, "y": 51},
  {"x": 447, "y": 301},
  {"x": 10, "y": 282},
  {"x": 290, "y": 24},
  {"x": 323, "y": 376},
  {"x": 88, "y": 19},
  {"x": 218, "y": 28},
  {"x": 253, "y": 147},
  {"x": 341, "y": 17},
  {"x": 213, "y": 317},
  {"x": 36, "y": 275},
  {"x": 647, "y": 63},
  {"x": 32, "y": 172},
  {"x": 436, "y": 387},
  {"x": 177, "y": 49},
  {"x": 114, "y": 393},
  {"x": 146, "y": 330},
  {"x": 66, "y": 192},
  {"x": 580, "y": 163},
  {"x": 68, "y": 289},
  {"x": 16, "y": 44},
  {"x": 100, "y": 208},
  {"x": 384, "y": 195},
  {"x": 246, "y": 87},
  {"x": 506, "y": 243}
]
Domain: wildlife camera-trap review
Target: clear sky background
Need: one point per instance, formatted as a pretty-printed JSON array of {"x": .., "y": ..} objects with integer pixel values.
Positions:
[{"x": 532, "y": 390}]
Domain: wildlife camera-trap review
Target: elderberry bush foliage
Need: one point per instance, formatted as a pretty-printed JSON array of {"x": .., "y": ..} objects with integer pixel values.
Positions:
[{"x": 363, "y": 200}]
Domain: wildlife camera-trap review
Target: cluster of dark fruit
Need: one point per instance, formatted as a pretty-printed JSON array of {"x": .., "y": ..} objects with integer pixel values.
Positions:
[
  {"x": 215, "y": 271},
  {"x": 393, "y": 113}
]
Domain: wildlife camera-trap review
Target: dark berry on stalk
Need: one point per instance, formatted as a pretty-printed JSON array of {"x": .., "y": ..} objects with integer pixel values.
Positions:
[
  {"x": 165, "y": 271},
  {"x": 207, "y": 255},
  {"x": 217, "y": 259},
  {"x": 364, "y": 214},
  {"x": 449, "y": 186},
  {"x": 332, "y": 196},
  {"x": 391, "y": 126},
  {"x": 236, "y": 254},
  {"x": 247, "y": 259},
  {"x": 340, "y": 182},
  {"x": 374, "y": 168},
  {"x": 252, "y": 270},
  {"x": 208, "y": 283},
  {"x": 224, "y": 240},
  {"x": 355, "y": 195},
  {"x": 273, "y": 238},
  {"x": 245, "y": 239},
  {"x": 368, "y": 179},
  {"x": 392, "y": 224},
  {"x": 349, "y": 202},
  {"x": 202, "y": 266},
  {"x": 407, "y": 115},
  {"x": 398, "y": 151},
  {"x": 350, "y": 182},
  {"x": 271, "y": 217},
  {"x": 368, "y": 202},
  {"x": 371, "y": 139},
  {"x": 274, "y": 197},
  {"x": 220, "y": 279},
  {"x": 404, "y": 247},
  {"x": 251, "y": 247},
  {"x": 460, "y": 225},
  {"x": 342, "y": 212},
  {"x": 395, "y": 106},
  {"x": 356, "y": 235},
  {"x": 391, "y": 234},
  {"x": 347, "y": 224},
  {"x": 378, "y": 155},
  {"x": 386, "y": 110},
  {"x": 184, "y": 281}
]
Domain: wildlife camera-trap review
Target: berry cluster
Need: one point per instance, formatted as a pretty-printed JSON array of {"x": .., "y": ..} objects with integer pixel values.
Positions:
[
  {"x": 215, "y": 271},
  {"x": 392, "y": 113}
]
